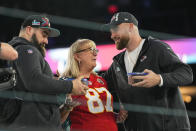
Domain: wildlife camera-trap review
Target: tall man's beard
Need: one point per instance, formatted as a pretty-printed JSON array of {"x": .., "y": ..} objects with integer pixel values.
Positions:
[
  {"x": 39, "y": 46},
  {"x": 122, "y": 43}
]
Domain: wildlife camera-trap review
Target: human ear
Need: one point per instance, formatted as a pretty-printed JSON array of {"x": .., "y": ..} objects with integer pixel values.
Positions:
[
  {"x": 77, "y": 57},
  {"x": 130, "y": 26},
  {"x": 29, "y": 30}
]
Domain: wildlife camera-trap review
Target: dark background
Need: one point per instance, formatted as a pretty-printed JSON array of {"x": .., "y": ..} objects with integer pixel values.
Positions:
[
  {"x": 174, "y": 17},
  {"x": 169, "y": 16}
]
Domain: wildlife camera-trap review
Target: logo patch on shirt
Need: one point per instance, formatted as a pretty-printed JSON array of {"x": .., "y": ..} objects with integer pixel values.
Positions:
[
  {"x": 117, "y": 69},
  {"x": 100, "y": 81},
  {"x": 143, "y": 58},
  {"x": 89, "y": 83},
  {"x": 30, "y": 51}
]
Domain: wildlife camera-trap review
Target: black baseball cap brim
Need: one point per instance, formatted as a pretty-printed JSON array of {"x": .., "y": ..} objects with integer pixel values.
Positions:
[
  {"x": 113, "y": 24},
  {"x": 107, "y": 27},
  {"x": 52, "y": 31}
]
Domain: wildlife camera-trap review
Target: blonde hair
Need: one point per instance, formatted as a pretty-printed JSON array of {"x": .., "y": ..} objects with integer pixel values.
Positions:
[{"x": 72, "y": 67}]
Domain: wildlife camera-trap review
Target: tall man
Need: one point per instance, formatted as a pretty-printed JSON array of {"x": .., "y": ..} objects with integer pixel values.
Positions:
[
  {"x": 36, "y": 88},
  {"x": 155, "y": 91}
]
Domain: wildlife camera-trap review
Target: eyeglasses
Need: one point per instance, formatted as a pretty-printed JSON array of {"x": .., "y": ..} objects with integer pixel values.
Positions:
[{"x": 93, "y": 50}]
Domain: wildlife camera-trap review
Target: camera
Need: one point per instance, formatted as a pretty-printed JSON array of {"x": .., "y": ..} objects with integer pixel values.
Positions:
[{"x": 7, "y": 75}]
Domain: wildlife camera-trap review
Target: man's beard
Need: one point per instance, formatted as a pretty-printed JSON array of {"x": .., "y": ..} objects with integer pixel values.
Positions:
[
  {"x": 123, "y": 43},
  {"x": 39, "y": 46}
]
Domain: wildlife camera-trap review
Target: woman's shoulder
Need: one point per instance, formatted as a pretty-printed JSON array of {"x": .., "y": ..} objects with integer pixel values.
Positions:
[{"x": 99, "y": 77}]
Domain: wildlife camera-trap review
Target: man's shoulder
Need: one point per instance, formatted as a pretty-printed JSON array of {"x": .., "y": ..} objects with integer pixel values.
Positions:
[
  {"x": 24, "y": 46},
  {"x": 157, "y": 44},
  {"x": 119, "y": 56},
  {"x": 28, "y": 50},
  {"x": 17, "y": 41}
]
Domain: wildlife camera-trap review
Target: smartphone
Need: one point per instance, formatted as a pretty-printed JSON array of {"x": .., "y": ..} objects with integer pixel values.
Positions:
[
  {"x": 130, "y": 81},
  {"x": 137, "y": 74}
]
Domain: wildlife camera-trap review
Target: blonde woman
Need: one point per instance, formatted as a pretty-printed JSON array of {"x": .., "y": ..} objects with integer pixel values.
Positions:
[{"x": 95, "y": 112}]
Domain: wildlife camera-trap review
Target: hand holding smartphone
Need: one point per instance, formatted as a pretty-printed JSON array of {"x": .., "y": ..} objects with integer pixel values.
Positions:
[{"x": 132, "y": 81}]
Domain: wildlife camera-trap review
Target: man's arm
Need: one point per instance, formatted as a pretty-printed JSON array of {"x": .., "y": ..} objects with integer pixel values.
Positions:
[
  {"x": 7, "y": 52},
  {"x": 173, "y": 71},
  {"x": 176, "y": 73},
  {"x": 107, "y": 75},
  {"x": 30, "y": 69}
]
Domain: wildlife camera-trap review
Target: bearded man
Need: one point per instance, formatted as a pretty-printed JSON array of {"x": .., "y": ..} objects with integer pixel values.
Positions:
[
  {"x": 153, "y": 99},
  {"x": 35, "y": 94}
]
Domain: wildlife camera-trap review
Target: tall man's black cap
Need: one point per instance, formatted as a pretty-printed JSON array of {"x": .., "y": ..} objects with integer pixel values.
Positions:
[
  {"x": 121, "y": 17},
  {"x": 39, "y": 21}
]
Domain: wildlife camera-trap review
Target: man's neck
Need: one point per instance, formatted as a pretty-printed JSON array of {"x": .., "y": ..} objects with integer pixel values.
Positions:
[
  {"x": 23, "y": 35},
  {"x": 133, "y": 44}
]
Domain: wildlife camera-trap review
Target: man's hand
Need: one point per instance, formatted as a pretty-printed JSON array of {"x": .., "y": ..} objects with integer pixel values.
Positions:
[
  {"x": 122, "y": 115},
  {"x": 78, "y": 87},
  {"x": 150, "y": 80},
  {"x": 70, "y": 103},
  {"x": 7, "y": 52}
]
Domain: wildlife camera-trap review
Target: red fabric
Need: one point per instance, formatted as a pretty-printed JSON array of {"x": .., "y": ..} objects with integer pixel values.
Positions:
[{"x": 96, "y": 110}]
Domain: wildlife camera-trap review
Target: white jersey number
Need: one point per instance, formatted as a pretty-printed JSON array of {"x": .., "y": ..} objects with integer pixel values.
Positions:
[{"x": 95, "y": 104}]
